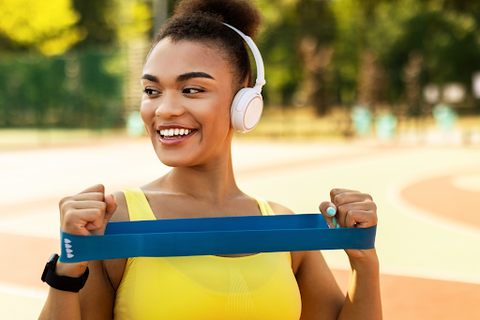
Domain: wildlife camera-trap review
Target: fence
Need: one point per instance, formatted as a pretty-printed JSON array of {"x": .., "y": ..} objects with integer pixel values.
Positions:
[{"x": 81, "y": 90}]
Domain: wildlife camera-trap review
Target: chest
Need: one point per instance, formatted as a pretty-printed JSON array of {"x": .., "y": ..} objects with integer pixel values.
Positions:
[
  {"x": 174, "y": 206},
  {"x": 253, "y": 287}
]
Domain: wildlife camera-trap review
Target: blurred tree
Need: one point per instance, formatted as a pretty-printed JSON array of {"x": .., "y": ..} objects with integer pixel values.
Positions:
[
  {"x": 297, "y": 55},
  {"x": 96, "y": 22},
  {"x": 377, "y": 40},
  {"x": 445, "y": 35},
  {"x": 47, "y": 26}
]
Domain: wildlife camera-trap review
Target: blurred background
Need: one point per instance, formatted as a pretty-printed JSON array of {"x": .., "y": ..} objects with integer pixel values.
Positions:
[
  {"x": 375, "y": 95},
  {"x": 391, "y": 70}
]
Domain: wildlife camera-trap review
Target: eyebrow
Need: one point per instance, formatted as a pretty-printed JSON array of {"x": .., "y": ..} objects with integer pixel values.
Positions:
[
  {"x": 190, "y": 75},
  {"x": 149, "y": 77},
  {"x": 180, "y": 78}
]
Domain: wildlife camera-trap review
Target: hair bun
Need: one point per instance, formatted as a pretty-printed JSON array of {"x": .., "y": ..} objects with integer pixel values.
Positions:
[{"x": 242, "y": 14}]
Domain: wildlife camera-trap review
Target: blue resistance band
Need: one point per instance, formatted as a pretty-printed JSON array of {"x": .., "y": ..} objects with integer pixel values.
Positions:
[{"x": 214, "y": 236}]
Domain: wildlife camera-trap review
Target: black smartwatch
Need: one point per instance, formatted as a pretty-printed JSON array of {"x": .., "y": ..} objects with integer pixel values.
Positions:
[{"x": 61, "y": 282}]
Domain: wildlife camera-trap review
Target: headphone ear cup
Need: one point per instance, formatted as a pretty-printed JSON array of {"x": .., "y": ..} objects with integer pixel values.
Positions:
[{"x": 246, "y": 109}]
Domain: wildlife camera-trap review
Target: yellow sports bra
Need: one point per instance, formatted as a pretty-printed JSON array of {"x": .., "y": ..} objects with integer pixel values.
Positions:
[{"x": 260, "y": 286}]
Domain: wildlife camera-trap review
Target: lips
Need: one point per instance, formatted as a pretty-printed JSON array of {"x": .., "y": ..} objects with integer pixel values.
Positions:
[{"x": 172, "y": 134}]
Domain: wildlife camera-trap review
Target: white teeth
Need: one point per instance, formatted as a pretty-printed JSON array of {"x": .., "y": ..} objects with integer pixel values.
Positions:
[{"x": 174, "y": 132}]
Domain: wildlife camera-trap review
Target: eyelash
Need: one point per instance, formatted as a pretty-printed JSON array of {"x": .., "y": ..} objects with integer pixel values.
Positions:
[
  {"x": 193, "y": 89},
  {"x": 150, "y": 92}
]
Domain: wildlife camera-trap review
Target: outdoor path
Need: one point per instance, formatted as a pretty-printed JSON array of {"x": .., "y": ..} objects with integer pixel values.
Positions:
[{"x": 428, "y": 238}]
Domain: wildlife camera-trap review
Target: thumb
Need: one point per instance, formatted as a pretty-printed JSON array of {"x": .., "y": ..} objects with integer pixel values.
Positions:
[
  {"x": 329, "y": 211},
  {"x": 111, "y": 206}
]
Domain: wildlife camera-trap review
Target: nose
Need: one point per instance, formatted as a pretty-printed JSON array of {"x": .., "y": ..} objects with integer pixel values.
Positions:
[{"x": 169, "y": 106}]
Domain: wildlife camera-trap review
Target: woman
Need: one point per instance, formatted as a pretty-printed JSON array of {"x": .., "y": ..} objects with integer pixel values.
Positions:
[{"x": 194, "y": 69}]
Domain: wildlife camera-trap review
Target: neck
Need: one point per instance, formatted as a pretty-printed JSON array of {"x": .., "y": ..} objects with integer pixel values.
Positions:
[{"x": 213, "y": 182}]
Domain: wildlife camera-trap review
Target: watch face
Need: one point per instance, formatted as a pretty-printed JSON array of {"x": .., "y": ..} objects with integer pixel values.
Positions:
[{"x": 52, "y": 262}]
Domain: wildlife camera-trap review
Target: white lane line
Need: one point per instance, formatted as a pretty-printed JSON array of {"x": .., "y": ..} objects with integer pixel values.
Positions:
[
  {"x": 467, "y": 182},
  {"x": 23, "y": 291},
  {"x": 429, "y": 217}
]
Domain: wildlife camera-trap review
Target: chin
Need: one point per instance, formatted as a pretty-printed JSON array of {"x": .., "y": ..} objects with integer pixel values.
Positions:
[{"x": 175, "y": 160}]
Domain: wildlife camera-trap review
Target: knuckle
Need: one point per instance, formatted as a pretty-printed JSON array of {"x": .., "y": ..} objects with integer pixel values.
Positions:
[
  {"x": 63, "y": 201},
  {"x": 97, "y": 196},
  {"x": 367, "y": 196},
  {"x": 69, "y": 218},
  {"x": 351, "y": 214},
  {"x": 64, "y": 207},
  {"x": 334, "y": 191},
  {"x": 340, "y": 198},
  {"x": 97, "y": 213}
]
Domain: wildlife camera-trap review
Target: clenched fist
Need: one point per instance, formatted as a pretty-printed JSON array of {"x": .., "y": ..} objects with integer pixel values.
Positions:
[
  {"x": 88, "y": 212},
  {"x": 349, "y": 209}
]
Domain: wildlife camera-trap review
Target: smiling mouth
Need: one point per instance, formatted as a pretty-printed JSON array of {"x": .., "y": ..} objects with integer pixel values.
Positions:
[{"x": 176, "y": 133}]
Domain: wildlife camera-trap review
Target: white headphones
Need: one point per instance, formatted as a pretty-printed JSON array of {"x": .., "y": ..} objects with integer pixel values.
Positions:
[{"x": 247, "y": 106}]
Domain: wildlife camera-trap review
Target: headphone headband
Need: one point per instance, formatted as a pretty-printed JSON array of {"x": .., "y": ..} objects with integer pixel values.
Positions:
[{"x": 256, "y": 55}]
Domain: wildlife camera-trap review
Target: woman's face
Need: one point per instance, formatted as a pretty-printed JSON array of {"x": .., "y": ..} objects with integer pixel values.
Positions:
[{"x": 186, "y": 103}]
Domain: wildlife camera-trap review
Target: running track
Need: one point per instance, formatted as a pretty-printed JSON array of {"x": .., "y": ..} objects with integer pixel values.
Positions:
[{"x": 429, "y": 207}]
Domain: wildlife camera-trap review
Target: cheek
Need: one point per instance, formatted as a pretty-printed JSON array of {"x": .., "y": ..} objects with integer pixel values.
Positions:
[{"x": 147, "y": 112}]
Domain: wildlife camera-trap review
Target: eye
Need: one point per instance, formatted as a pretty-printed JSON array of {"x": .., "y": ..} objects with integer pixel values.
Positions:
[
  {"x": 191, "y": 90},
  {"x": 150, "y": 92}
]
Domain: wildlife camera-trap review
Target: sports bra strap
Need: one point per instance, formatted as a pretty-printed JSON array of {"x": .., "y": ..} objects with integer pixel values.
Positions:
[
  {"x": 138, "y": 206},
  {"x": 265, "y": 208}
]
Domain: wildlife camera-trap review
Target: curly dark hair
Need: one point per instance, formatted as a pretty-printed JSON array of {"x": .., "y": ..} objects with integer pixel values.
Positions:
[{"x": 202, "y": 21}]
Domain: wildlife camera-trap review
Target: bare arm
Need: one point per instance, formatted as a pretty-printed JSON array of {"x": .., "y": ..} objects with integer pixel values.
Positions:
[
  {"x": 94, "y": 301},
  {"x": 321, "y": 296},
  {"x": 363, "y": 296},
  {"x": 87, "y": 213},
  {"x": 353, "y": 209}
]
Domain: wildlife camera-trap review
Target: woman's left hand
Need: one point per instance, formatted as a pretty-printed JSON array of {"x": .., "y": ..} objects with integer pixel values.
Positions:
[{"x": 350, "y": 209}]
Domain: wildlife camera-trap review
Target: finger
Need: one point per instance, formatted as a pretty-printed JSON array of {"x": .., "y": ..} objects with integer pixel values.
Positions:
[
  {"x": 350, "y": 197},
  {"x": 95, "y": 196},
  {"x": 345, "y": 211},
  {"x": 96, "y": 188},
  {"x": 86, "y": 204},
  {"x": 82, "y": 221},
  {"x": 335, "y": 191},
  {"x": 67, "y": 201},
  {"x": 329, "y": 210},
  {"x": 345, "y": 208},
  {"x": 361, "y": 219}
]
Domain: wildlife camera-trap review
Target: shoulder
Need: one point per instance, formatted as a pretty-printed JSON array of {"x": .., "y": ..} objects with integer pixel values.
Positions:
[
  {"x": 279, "y": 209},
  {"x": 121, "y": 212}
]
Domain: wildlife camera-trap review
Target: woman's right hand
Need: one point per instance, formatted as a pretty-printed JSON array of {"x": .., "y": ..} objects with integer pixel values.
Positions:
[{"x": 86, "y": 213}]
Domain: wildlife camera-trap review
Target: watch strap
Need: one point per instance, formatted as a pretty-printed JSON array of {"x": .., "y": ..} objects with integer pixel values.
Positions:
[{"x": 63, "y": 283}]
